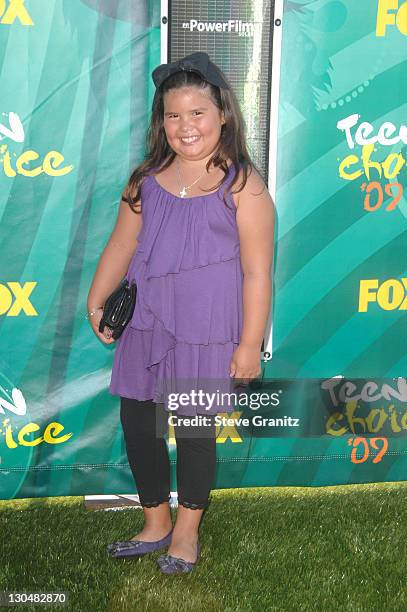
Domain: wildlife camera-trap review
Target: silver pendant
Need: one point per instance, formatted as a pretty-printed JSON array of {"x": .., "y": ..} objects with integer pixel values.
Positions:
[{"x": 183, "y": 192}]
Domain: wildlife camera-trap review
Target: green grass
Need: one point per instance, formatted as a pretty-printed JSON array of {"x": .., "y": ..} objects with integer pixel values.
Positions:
[{"x": 285, "y": 548}]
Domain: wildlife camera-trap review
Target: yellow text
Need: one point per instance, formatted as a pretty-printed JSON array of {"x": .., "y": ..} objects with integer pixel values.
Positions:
[
  {"x": 50, "y": 434},
  {"x": 12, "y": 10},
  {"x": 21, "y": 299},
  {"x": 50, "y": 165},
  {"x": 353, "y": 166},
  {"x": 391, "y": 13},
  {"x": 340, "y": 423},
  {"x": 389, "y": 295}
]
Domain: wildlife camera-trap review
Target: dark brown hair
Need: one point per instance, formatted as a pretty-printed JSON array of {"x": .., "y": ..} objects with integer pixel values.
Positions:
[{"x": 232, "y": 142}]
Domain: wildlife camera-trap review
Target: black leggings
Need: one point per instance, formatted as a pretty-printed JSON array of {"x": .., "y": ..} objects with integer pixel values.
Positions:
[{"x": 144, "y": 423}]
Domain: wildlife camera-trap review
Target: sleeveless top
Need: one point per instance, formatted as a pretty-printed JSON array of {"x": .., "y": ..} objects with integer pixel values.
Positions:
[{"x": 189, "y": 309}]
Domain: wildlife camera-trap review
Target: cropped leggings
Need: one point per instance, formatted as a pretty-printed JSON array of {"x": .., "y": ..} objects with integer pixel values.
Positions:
[{"x": 144, "y": 423}]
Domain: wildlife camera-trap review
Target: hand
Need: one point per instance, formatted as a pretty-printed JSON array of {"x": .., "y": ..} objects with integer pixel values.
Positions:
[
  {"x": 245, "y": 363},
  {"x": 94, "y": 321}
]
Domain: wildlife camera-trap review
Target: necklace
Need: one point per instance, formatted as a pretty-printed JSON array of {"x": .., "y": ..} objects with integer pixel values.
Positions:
[{"x": 183, "y": 189}]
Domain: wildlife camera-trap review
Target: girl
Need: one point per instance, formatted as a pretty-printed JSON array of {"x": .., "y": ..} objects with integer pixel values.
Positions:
[{"x": 195, "y": 231}]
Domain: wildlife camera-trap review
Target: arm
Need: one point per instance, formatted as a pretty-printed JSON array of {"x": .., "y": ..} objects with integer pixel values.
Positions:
[
  {"x": 255, "y": 220},
  {"x": 114, "y": 261}
]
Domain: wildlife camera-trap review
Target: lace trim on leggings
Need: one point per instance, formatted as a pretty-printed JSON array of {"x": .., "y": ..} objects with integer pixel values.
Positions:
[
  {"x": 186, "y": 504},
  {"x": 153, "y": 504},
  {"x": 193, "y": 506}
]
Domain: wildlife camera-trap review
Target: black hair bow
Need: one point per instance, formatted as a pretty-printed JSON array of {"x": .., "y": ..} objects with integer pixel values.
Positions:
[{"x": 198, "y": 62}]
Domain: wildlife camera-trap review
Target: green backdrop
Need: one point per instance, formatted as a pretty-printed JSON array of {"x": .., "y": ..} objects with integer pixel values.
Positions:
[{"x": 75, "y": 97}]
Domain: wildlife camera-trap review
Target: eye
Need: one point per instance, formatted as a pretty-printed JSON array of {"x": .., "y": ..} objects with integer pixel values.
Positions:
[{"x": 197, "y": 113}]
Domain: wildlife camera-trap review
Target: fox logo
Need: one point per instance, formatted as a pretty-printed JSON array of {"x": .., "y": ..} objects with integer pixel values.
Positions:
[
  {"x": 390, "y": 295},
  {"x": 12, "y": 307},
  {"x": 390, "y": 12},
  {"x": 11, "y": 10}
]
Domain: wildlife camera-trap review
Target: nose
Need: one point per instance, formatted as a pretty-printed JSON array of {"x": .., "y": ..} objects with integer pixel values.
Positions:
[{"x": 185, "y": 124}]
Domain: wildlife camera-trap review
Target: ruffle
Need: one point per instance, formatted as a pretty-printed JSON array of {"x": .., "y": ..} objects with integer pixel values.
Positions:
[
  {"x": 180, "y": 234},
  {"x": 199, "y": 306},
  {"x": 188, "y": 316},
  {"x": 182, "y": 368}
]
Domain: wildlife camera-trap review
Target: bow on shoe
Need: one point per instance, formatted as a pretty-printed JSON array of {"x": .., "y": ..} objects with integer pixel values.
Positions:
[
  {"x": 175, "y": 565},
  {"x": 172, "y": 565},
  {"x": 118, "y": 547},
  {"x": 137, "y": 548}
]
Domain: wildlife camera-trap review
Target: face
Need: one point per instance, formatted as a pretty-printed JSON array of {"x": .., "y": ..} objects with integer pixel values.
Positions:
[{"x": 192, "y": 122}]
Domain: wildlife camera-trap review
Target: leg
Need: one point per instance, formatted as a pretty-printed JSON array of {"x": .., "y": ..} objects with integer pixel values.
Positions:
[
  {"x": 148, "y": 458},
  {"x": 196, "y": 465}
]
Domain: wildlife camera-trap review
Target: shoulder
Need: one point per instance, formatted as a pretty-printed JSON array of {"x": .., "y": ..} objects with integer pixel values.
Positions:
[
  {"x": 254, "y": 188},
  {"x": 129, "y": 195},
  {"x": 130, "y": 200}
]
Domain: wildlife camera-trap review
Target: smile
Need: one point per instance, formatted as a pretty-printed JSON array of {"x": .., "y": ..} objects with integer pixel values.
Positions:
[{"x": 189, "y": 139}]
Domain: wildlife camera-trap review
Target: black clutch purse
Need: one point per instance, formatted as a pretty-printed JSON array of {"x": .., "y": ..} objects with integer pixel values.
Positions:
[{"x": 118, "y": 308}]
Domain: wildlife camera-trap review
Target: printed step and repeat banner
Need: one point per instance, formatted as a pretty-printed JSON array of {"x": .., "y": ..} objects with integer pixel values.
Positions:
[{"x": 74, "y": 105}]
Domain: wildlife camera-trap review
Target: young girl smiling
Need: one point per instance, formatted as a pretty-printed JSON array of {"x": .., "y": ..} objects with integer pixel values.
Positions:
[{"x": 195, "y": 231}]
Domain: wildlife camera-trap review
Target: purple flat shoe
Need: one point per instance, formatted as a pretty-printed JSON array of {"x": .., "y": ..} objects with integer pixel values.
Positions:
[
  {"x": 176, "y": 565},
  {"x": 137, "y": 548}
]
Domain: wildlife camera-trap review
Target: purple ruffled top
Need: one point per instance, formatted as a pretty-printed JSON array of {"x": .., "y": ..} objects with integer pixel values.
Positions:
[{"x": 189, "y": 309}]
